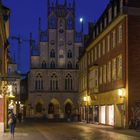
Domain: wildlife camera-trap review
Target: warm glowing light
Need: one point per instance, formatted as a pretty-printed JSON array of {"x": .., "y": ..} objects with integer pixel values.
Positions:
[
  {"x": 85, "y": 98},
  {"x": 120, "y": 92},
  {"x": 81, "y": 19}
]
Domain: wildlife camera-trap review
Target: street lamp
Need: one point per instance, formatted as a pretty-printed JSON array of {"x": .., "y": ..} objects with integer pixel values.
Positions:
[
  {"x": 81, "y": 21},
  {"x": 121, "y": 93}
]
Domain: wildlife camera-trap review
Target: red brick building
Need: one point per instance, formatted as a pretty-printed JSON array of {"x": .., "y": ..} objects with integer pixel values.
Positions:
[{"x": 113, "y": 72}]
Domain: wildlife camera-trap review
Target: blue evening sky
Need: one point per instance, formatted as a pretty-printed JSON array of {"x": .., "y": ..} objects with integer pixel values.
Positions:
[{"x": 24, "y": 19}]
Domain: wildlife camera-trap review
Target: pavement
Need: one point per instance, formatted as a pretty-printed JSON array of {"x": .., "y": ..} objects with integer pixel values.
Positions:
[{"x": 69, "y": 131}]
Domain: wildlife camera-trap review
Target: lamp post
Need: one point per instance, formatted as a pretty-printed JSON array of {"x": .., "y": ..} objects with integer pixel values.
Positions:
[
  {"x": 82, "y": 27},
  {"x": 82, "y": 30}
]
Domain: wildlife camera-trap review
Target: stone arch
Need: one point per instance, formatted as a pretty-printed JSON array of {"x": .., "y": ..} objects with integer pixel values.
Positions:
[
  {"x": 68, "y": 107},
  {"x": 54, "y": 107}
]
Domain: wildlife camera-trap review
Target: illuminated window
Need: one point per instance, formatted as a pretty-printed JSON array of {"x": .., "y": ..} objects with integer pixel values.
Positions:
[
  {"x": 101, "y": 75},
  {"x": 99, "y": 50},
  {"x": 103, "y": 47},
  {"x": 95, "y": 53},
  {"x": 109, "y": 72},
  {"x": 104, "y": 73},
  {"x": 119, "y": 67},
  {"x": 114, "y": 69},
  {"x": 114, "y": 39},
  {"x": 120, "y": 34},
  {"x": 108, "y": 43},
  {"x": 92, "y": 56}
]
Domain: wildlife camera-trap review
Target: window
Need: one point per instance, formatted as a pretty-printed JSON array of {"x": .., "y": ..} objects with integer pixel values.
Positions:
[
  {"x": 93, "y": 79},
  {"x": 119, "y": 67},
  {"x": 89, "y": 58},
  {"x": 108, "y": 43},
  {"x": 120, "y": 34},
  {"x": 101, "y": 75},
  {"x": 101, "y": 26},
  {"x": 69, "y": 65},
  {"x": 52, "y": 65},
  {"x": 109, "y": 71},
  {"x": 97, "y": 30},
  {"x": 103, "y": 47},
  {"x": 77, "y": 65},
  {"x": 69, "y": 55},
  {"x": 99, "y": 50},
  {"x": 68, "y": 82},
  {"x": 95, "y": 53},
  {"x": 115, "y": 10},
  {"x": 69, "y": 23},
  {"x": 54, "y": 82},
  {"x": 52, "y": 53},
  {"x": 114, "y": 69},
  {"x": 39, "y": 82},
  {"x": 105, "y": 21},
  {"x": 104, "y": 73},
  {"x": 121, "y": 6},
  {"x": 114, "y": 39},
  {"x": 92, "y": 56},
  {"x": 43, "y": 65},
  {"x": 93, "y": 34},
  {"x": 52, "y": 22},
  {"x": 110, "y": 15}
]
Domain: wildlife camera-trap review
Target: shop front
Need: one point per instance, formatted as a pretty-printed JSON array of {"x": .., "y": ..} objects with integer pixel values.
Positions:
[{"x": 107, "y": 115}]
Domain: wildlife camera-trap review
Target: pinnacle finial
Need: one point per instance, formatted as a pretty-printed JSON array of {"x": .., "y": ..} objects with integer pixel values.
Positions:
[
  {"x": 48, "y": 2},
  {"x": 73, "y": 3},
  {"x": 65, "y": 2},
  {"x": 56, "y": 2}
]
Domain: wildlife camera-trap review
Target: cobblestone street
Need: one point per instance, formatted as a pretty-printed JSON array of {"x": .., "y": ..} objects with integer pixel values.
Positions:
[{"x": 69, "y": 131}]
